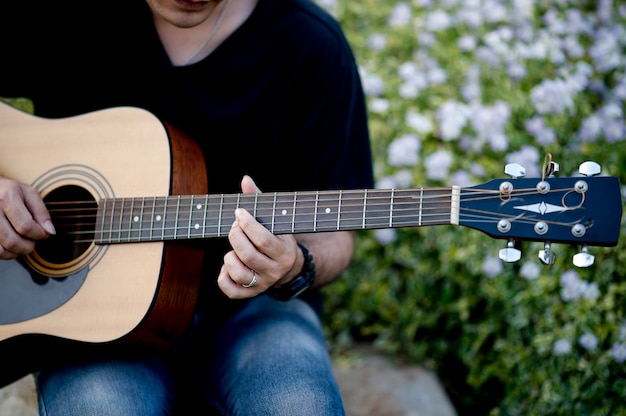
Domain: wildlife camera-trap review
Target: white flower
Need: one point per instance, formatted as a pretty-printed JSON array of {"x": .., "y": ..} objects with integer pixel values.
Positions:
[
  {"x": 438, "y": 165},
  {"x": 492, "y": 266},
  {"x": 403, "y": 178},
  {"x": 467, "y": 43},
  {"x": 386, "y": 182},
  {"x": 373, "y": 85},
  {"x": 551, "y": 97},
  {"x": 530, "y": 270},
  {"x": 404, "y": 150},
  {"x": 438, "y": 20},
  {"x": 618, "y": 352},
  {"x": 385, "y": 235},
  {"x": 588, "y": 341},
  {"x": 562, "y": 347},
  {"x": 452, "y": 117},
  {"x": 420, "y": 123},
  {"x": 377, "y": 42},
  {"x": 379, "y": 105},
  {"x": 400, "y": 15},
  {"x": 461, "y": 178}
]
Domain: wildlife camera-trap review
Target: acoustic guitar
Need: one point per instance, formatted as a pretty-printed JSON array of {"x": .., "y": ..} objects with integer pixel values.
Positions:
[{"x": 127, "y": 194}]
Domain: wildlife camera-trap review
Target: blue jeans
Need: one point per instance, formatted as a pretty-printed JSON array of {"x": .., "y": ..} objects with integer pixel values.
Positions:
[{"x": 270, "y": 358}]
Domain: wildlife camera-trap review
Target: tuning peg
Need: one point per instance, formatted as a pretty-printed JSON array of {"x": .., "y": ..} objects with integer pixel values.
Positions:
[
  {"x": 589, "y": 168},
  {"x": 546, "y": 255},
  {"x": 551, "y": 169},
  {"x": 514, "y": 170},
  {"x": 583, "y": 259},
  {"x": 510, "y": 254}
]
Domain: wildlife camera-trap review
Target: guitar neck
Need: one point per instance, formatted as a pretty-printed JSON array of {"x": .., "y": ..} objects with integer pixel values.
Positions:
[{"x": 143, "y": 219}]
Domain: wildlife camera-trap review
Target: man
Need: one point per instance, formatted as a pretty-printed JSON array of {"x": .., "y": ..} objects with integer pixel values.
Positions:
[{"x": 269, "y": 90}]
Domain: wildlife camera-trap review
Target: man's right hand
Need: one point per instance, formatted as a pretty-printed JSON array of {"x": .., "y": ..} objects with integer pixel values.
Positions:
[{"x": 24, "y": 219}]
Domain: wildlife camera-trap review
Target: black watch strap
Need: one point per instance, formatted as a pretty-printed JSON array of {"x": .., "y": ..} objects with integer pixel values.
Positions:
[{"x": 298, "y": 284}]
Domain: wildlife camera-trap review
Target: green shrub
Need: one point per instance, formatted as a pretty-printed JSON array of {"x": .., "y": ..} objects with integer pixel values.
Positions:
[{"x": 520, "y": 79}]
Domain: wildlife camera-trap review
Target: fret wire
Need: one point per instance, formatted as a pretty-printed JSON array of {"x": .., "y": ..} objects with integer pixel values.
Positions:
[
  {"x": 293, "y": 213},
  {"x": 419, "y": 222},
  {"x": 206, "y": 209},
  {"x": 317, "y": 196},
  {"x": 274, "y": 212},
  {"x": 121, "y": 220},
  {"x": 111, "y": 223},
  {"x": 256, "y": 201},
  {"x": 130, "y": 219},
  {"x": 164, "y": 217},
  {"x": 176, "y": 217},
  {"x": 104, "y": 215},
  {"x": 219, "y": 219},
  {"x": 339, "y": 209},
  {"x": 391, "y": 208},
  {"x": 189, "y": 219},
  {"x": 141, "y": 218},
  {"x": 364, "y": 207}
]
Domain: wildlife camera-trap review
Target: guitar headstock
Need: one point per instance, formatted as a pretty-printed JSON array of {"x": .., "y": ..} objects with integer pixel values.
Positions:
[{"x": 585, "y": 211}]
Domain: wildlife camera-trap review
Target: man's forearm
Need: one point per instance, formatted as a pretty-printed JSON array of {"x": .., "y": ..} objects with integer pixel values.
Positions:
[{"x": 332, "y": 253}]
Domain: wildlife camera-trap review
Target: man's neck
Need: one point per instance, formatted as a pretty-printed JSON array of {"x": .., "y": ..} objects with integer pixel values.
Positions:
[{"x": 187, "y": 45}]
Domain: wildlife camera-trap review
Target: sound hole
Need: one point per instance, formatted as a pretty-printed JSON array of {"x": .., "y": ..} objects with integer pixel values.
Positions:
[{"x": 73, "y": 212}]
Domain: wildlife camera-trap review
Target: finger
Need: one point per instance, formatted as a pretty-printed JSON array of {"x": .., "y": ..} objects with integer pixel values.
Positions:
[
  {"x": 245, "y": 284},
  {"x": 11, "y": 243},
  {"x": 280, "y": 251},
  {"x": 245, "y": 255},
  {"x": 38, "y": 209},
  {"x": 256, "y": 234},
  {"x": 248, "y": 186},
  {"x": 20, "y": 203}
]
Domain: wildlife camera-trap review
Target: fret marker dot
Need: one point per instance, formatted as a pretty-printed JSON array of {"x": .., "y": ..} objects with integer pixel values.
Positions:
[
  {"x": 158, "y": 218},
  {"x": 136, "y": 218},
  {"x": 199, "y": 206},
  {"x": 328, "y": 210},
  {"x": 284, "y": 212},
  {"x": 197, "y": 226}
]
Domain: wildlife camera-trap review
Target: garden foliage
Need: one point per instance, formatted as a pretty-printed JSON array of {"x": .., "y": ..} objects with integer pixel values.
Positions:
[{"x": 456, "y": 89}]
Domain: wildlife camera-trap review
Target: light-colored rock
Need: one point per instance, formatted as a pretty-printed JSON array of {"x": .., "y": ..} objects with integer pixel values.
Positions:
[
  {"x": 19, "y": 398},
  {"x": 373, "y": 386}
]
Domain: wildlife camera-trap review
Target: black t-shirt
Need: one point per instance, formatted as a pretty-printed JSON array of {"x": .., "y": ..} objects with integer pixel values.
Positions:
[{"x": 280, "y": 99}]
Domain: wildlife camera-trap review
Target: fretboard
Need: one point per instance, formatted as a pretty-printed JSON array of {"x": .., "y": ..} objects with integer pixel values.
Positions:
[{"x": 142, "y": 219}]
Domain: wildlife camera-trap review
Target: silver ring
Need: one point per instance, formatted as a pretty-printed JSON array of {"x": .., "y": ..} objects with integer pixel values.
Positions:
[{"x": 252, "y": 282}]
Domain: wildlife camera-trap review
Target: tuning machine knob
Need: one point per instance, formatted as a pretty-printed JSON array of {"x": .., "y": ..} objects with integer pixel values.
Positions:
[
  {"x": 514, "y": 170},
  {"x": 547, "y": 255},
  {"x": 510, "y": 254},
  {"x": 589, "y": 168},
  {"x": 583, "y": 259}
]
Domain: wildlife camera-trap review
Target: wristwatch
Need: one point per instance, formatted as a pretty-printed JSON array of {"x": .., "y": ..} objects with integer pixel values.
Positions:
[{"x": 298, "y": 284}]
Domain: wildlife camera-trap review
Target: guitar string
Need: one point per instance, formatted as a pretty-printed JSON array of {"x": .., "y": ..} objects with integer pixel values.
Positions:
[
  {"x": 398, "y": 220},
  {"x": 288, "y": 198},
  {"x": 259, "y": 206}
]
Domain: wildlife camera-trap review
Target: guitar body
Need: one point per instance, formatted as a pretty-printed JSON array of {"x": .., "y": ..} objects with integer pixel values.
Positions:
[{"x": 139, "y": 294}]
